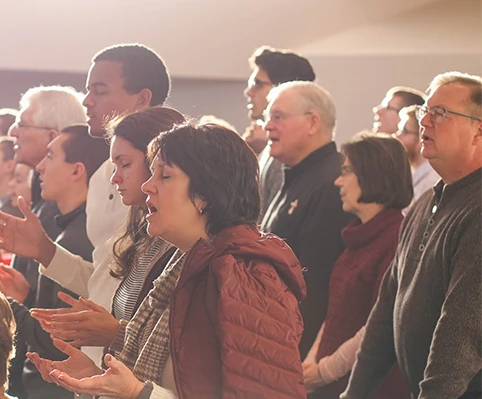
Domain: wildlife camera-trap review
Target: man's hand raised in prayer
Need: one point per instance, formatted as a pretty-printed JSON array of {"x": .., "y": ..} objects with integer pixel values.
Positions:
[{"x": 26, "y": 237}]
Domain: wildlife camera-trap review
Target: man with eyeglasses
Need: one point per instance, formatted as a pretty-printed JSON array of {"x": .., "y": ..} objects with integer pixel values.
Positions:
[
  {"x": 270, "y": 67},
  {"x": 307, "y": 211},
  {"x": 423, "y": 175},
  {"x": 429, "y": 309},
  {"x": 385, "y": 115},
  {"x": 44, "y": 112}
]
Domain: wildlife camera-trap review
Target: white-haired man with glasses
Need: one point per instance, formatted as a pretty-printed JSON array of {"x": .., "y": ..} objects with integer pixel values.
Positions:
[
  {"x": 44, "y": 112},
  {"x": 428, "y": 313},
  {"x": 270, "y": 67},
  {"x": 300, "y": 120}
]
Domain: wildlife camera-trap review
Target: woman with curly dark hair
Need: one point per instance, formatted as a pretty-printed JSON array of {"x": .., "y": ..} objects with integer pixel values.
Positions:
[{"x": 222, "y": 320}]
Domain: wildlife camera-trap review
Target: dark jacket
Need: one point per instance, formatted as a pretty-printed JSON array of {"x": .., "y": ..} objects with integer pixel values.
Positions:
[
  {"x": 73, "y": 237},
  {"x": 7, "y": 207},
  {"x": 235, "y": 323},
  {"x": 308, "y": 214},
  {"x": 46, "y": 211}
]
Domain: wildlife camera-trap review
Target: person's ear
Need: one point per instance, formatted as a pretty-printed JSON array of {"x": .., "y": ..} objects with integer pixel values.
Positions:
[
  {"x": 144, "y": 98},
  {"x": 478, "y": 135},
  {"x": 315, "y": 123},
  {"x": 200, "y": 205},
  {"x": 79, "y": 172},
  {"x": 52, "y": 134}
]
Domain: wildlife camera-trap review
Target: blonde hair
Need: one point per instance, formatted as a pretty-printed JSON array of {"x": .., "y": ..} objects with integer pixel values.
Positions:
[
  {"x": 7, "y": 332},
  {"x": 472, "y": 82}
]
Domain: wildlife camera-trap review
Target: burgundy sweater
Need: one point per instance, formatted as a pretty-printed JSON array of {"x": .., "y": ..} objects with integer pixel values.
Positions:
[{"x": 354, "y": 286}]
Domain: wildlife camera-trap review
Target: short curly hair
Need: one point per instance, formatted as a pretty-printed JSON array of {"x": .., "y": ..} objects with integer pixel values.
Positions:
[
  {"x": 222, "y": 169},
  {"x": 282, "y": 65},
  {"x": 142, "y": 69}
]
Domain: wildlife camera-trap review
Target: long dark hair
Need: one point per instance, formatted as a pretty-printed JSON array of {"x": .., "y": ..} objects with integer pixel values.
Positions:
[{"x": 138, "y": 129}]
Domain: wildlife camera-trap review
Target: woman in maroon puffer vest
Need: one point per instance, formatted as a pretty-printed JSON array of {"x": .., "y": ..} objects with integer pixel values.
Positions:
[
  {"x": 222, "y": 321},
  {"x": 375, "y": 184}
]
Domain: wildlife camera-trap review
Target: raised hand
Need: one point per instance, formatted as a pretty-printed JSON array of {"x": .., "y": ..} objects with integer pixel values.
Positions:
[
  {"x": 25, "y": 237},
  {"x": 13, "y": 284},
  {"x": 83, "y": 324},
  {"x": 78, "y": 364},
  {"x": 117, "y": 382}
]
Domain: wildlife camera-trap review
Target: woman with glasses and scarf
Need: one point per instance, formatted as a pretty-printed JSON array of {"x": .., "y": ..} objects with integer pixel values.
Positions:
[{"x": 375, "y": 185}]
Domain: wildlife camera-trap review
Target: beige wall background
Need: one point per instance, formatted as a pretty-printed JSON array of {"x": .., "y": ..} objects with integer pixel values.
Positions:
[
  {"x": 356, "y": 82},
  {"x": 358, "y": 49}
]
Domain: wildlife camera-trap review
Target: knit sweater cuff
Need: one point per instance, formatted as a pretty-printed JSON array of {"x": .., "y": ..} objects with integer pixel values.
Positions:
[
  {"x": 332, "y": 368},
  {"x": 162, "y": 393},
  {"x": 118, "y": 343}
]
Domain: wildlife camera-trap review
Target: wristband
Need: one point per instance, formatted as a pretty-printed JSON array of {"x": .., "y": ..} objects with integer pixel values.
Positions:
[{"x": 146, "y": 391}]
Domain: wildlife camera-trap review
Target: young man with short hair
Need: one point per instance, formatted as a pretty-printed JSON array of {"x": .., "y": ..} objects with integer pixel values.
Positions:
[
  {"x": 121, "y": 79},
  {"x": 270, "y": 67},
  {"x": 44, "y": 112},
  {"x": 72, "y": 158}
]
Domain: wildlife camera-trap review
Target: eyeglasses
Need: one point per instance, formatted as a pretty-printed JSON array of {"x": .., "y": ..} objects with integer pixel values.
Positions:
[
  {"x": 20, "y": 125},
  {"x": 387, "y": 107},
  {"x": 438, "y": 114},
  {"x": 346, "y": 170},
  {"x": 257, "y": 84},
  {"x": 278, "y": 116}
]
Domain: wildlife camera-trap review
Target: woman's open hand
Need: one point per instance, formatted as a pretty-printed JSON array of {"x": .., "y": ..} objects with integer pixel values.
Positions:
[{"x": 117, "y": 381}]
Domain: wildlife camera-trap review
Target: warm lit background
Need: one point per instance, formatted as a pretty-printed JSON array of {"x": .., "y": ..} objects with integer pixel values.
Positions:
[{"x": 359, "y": 48}]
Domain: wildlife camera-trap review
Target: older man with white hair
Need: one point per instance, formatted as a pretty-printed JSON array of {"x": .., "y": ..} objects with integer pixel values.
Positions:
[
  {"x": 428, "y": 313},
  {"x": 307, "y": 212},
  {"x": 44, "y": 112}
]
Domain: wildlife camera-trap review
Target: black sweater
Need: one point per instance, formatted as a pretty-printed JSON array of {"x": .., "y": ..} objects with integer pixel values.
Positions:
[
  {"x": 73, "y": 237},
  {"x": 308, "y": 214}
]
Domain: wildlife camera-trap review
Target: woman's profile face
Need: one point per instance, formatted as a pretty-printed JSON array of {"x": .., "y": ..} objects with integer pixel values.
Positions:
[
  {"x": 350, "y": 190},
  {"x": 130, "y": 171},
  {"x": 172, "y": 214}
]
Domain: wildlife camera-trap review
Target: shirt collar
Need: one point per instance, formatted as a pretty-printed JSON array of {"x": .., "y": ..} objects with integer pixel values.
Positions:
[
  {"x": 63, "y": 220},
  {"x": 312, "y": 159}
]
